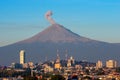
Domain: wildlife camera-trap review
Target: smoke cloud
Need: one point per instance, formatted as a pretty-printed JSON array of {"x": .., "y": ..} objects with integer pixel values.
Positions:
[{"x": 49, "y": 18}]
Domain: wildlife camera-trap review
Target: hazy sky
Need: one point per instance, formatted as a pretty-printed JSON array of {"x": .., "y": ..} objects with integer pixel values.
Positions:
[{"x": 95, "y": 19}]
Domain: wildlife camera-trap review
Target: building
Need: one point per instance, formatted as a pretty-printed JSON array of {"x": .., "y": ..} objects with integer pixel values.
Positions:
[
  {"x": 31, "y": 64},
  {"x": 99, "y": 64},
  {"x": 111, "y": 64},
  {"x": 22, "y": 57},
  {"x": 70, "y": 62},
  {"x": 57, "y": 63},
  {"x": 16, "y": 65},
  {"x": 47, "y": 68}
]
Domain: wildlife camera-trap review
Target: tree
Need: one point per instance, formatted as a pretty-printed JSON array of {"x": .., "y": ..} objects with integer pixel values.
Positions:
[
  {"x": 87, "y": 78},
  {"x": 87, "y": 71},
  {"x": 57, "y": 77},
  {"x": 100, "y": 72},
  {"x": 30, "y": 78},
  {"x": 118, "y": 69}
]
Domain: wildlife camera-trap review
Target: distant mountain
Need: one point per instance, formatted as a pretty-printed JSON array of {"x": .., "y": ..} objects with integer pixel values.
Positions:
[
  {"x": 57, "y": 37},
  {"x": 56, "y": 33}
]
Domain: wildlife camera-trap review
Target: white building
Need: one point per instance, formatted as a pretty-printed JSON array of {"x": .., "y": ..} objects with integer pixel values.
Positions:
[
  {"x": 99, "y": 64},
  {"x": 111, "y": 64},
  {"x": 22, "y": 57}
]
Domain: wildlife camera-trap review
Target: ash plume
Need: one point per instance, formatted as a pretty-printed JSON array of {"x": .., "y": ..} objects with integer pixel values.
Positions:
[{"x": 49, "y": 18}]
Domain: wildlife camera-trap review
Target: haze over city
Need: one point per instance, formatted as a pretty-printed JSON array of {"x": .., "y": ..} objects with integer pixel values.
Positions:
[{"x": 96, "y": 19}]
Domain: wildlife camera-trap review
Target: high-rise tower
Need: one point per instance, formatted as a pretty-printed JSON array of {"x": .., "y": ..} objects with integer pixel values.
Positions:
[{"x": 22, "y": 57}]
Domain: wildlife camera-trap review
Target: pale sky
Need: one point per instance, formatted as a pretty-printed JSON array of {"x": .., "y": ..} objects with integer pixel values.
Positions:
[{"x": 95, "y": 19}]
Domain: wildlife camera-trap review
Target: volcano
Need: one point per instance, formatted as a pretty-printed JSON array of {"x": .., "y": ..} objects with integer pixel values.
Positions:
[
  {"x": 57, "y": 39},
  {"x": 56, "y": 33}
]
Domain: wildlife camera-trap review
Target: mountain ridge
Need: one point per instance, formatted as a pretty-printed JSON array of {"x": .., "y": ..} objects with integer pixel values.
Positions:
[
  {"x": 57, "y": 37},
  {"x": 57, "y": 33}
]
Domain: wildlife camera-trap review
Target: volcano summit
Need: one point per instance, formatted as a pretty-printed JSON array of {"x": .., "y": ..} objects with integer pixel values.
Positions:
[{"x": 57, "y": 33}]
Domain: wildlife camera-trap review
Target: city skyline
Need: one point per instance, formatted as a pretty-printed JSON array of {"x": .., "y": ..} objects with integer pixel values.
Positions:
[{"x": 97, "y": 20}]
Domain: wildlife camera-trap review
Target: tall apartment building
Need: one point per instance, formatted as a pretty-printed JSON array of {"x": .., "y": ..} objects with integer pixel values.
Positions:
[{"x": 22, "y": 57}]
